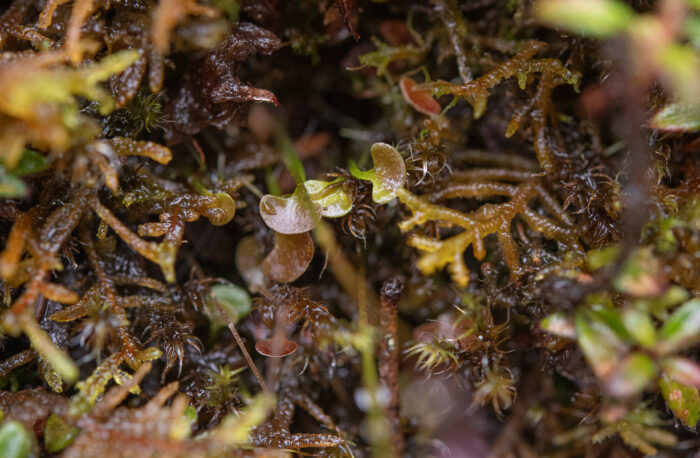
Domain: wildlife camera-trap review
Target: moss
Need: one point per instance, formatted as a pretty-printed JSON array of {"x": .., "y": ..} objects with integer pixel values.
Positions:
[{"x": 240, "y": 228}]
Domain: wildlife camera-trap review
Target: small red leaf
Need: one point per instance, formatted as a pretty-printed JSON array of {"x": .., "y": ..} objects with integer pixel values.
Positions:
[
  {"x": 276, "y": 347},
  {"x": 421, "y": 100}
]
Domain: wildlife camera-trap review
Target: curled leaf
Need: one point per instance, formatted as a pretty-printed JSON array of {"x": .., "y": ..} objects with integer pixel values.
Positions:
[
  {"x": 276, "y": 347},
  {"x": 420, "y": 99},
  {"x": 221, "y": 209},
  {"x": 387, "y": 175},
  {"x": 332, "y": 196},
  {"x": 289, "y": 258},
  {"x": 288, "y": 215}
]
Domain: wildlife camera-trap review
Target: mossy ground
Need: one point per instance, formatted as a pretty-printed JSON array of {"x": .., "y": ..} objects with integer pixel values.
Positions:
[{"x": 349, "y": 228}]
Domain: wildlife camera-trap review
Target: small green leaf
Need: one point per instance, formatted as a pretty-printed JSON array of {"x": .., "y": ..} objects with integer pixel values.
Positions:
[
  {"x": 30, "y": 162},
  {"x": 677, "y": 117},
  {"x": 672, "y": 297},
  {"x": 593, "y": 18},
  {"x": 234, "y": 300},
  {"x": 640, "y": 326},
  {"x": 11, "y": 186},
  {"x": 58, "y": 434},
  {"x": 332, "y": 196},
  {"x": 631, "y": 376},
  {"x": 611, "y": 319},
  {"x": 682, "y": 328},
  {"x": 683, "y": 401},
  {"x": 601, "y": 257},
  {"x": 387, "y": 175},
  {"x": 599, "y": 344},
  {"x": 15, "y": 441}
]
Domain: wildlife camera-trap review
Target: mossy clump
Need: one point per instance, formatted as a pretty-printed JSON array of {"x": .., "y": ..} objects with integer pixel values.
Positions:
[{"x": 349, "y": 228}]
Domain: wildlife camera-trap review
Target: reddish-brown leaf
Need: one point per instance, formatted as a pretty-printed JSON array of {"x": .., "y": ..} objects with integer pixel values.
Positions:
[
  {"x": 276, "y": 347},
  {"x": 421, "y": 100},
  {"x": 289, "y": 258}
]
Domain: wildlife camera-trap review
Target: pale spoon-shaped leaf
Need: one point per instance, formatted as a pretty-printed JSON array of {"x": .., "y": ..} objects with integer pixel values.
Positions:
[
  {"x": 387, "y": 175},
  {"x": 288, "y": 215}
]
